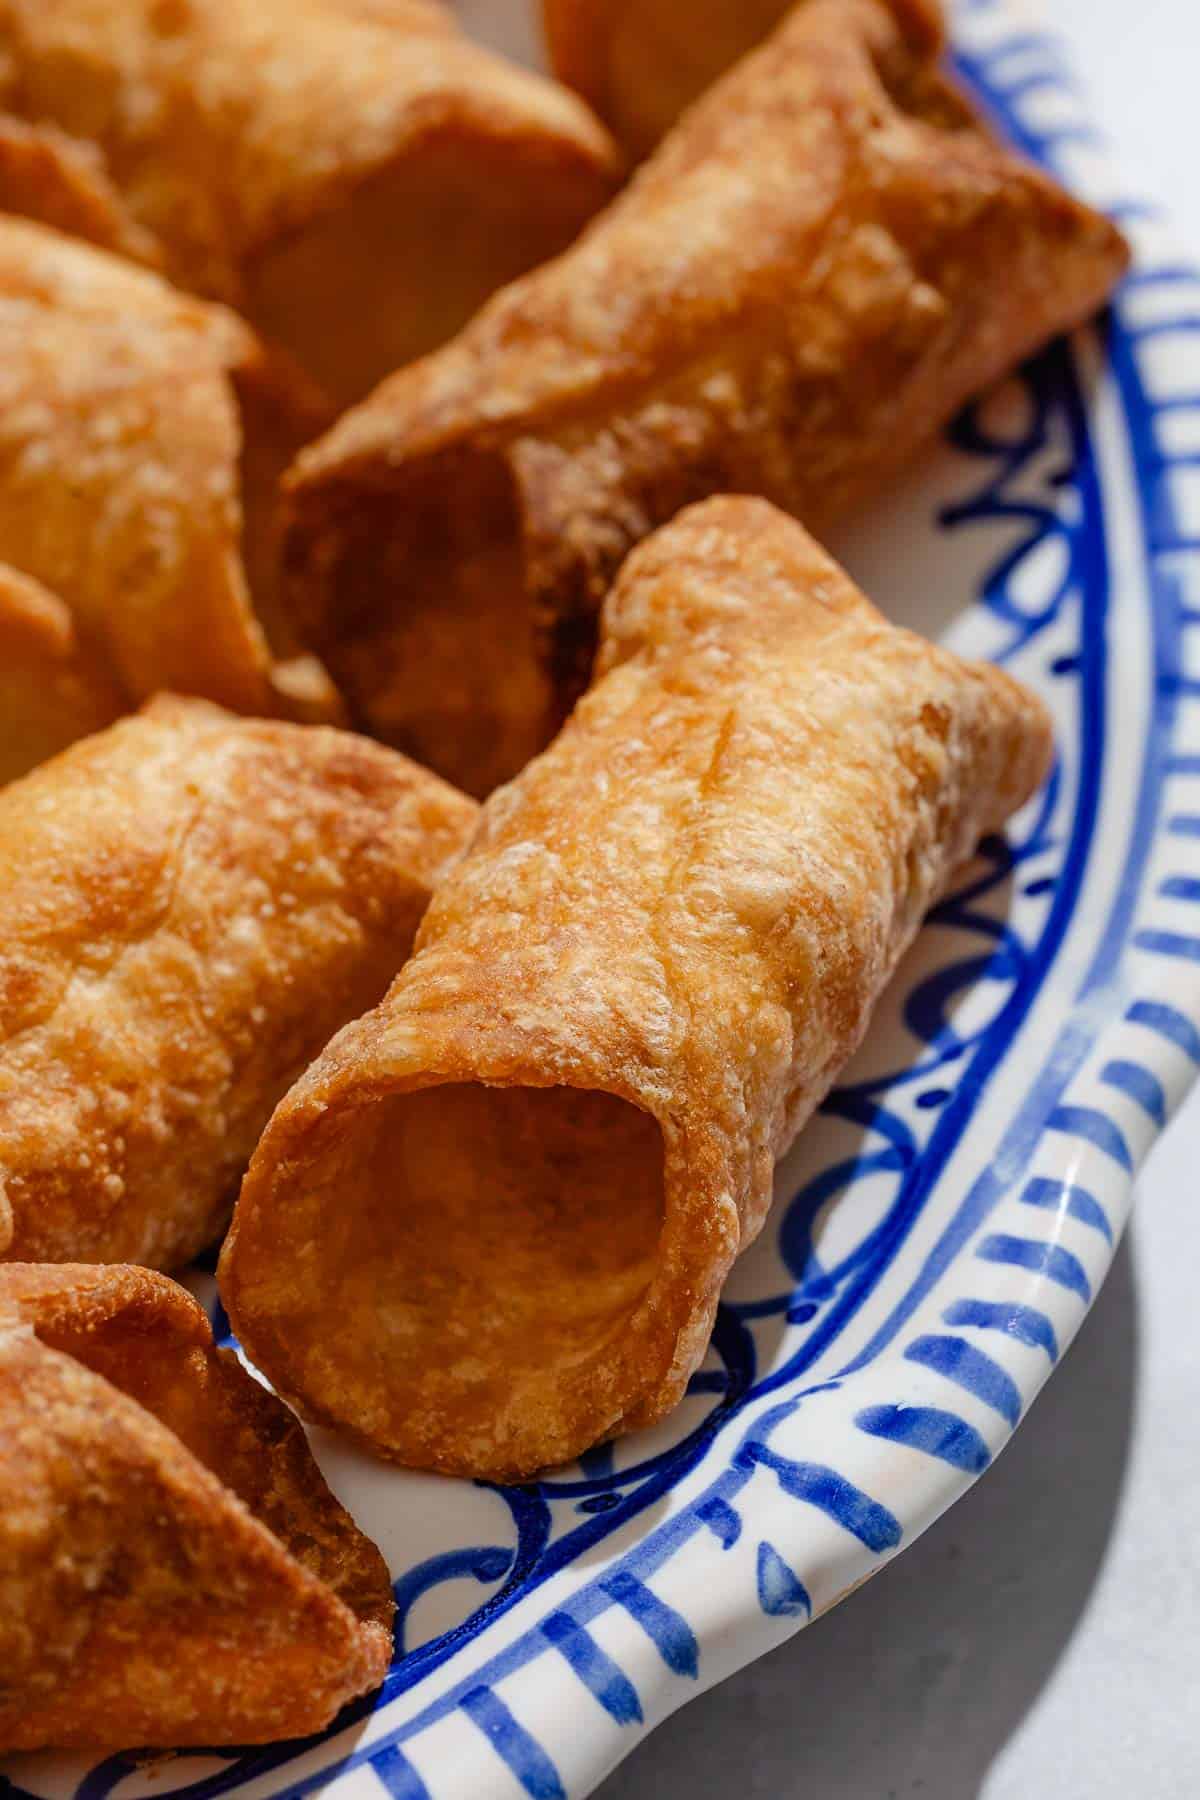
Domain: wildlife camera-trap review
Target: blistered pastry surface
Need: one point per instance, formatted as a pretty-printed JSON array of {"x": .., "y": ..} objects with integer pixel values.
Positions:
[
  {"x": 192, "y": 904},
  {"x": 691, "y": 902},
  {"x": 173, "y": 1568}
]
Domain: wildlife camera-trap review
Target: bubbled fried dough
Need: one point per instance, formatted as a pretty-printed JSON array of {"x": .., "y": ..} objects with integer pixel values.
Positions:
[
  {"x": 192, "y": 905},
  {"x": 140, "y": 432},
  {"x": 490, "y": 1225},
  {"x": 355, "y": 179},
  {"x": 822, "y": 260},
  {"x": 173, "y": 1568}
]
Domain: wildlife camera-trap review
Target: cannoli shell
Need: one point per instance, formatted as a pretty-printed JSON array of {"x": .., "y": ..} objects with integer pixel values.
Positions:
[
  {"x": 192, "y": 905},
  {"x": 355, "y": 178},
  {"x": 173, "y": 1568},
  {"x": 820, "y": 263},
  {"x": 490, "y": 1225},
  {"x": 123, "y": 437}
]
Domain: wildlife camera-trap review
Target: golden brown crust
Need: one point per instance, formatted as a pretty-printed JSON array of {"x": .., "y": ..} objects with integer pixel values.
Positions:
[
  {"x": 640, "y": 63},
  {"x": 821, "y": 261},
  {"x": 53, "y": 687},
  {"x": 126, "y": 412},
  {"x": 192, "y": 904},
  {"x": 297, "y": 158},
  {"x": 173, "y": 1568},
  {"x": 546, "y": 1146},
  {"x": 56, "y": 179}
]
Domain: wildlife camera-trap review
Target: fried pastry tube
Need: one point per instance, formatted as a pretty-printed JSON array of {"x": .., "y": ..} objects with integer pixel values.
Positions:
[
  {"x": 355, "y": 178},
  {"x": 140, "y": 431},
  {"x": 192, "y": 904},
  {"x": 173, "y": 1568},
  {"x": 490, "y": 1225},
  {"x": 53, "y": 688},
  {"x": 821, "y": 262}
]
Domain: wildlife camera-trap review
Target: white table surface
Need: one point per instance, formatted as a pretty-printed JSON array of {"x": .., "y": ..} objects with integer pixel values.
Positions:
[{"x": 1044, "y": 1638}]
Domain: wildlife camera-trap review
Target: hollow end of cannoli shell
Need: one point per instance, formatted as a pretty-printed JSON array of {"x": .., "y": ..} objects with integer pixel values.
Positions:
[
  {"x": 413, "y": 590},
  {"x": 423, "y": 210},
  {"x": 478, "y": 1277}
]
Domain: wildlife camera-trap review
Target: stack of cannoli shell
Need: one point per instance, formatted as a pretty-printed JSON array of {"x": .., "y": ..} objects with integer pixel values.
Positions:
[{"x": 476, "y": 1065}]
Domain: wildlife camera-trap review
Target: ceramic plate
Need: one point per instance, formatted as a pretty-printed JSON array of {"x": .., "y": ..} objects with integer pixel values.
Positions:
[{"x": 946, "y": 1221}]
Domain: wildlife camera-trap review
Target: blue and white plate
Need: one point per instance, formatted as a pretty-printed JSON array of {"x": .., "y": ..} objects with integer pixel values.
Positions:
[{"x": 946, "y": 1221}]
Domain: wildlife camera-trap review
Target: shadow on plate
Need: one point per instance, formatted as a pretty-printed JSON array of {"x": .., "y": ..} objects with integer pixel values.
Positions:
[{"x": 916, "y": 1683}]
